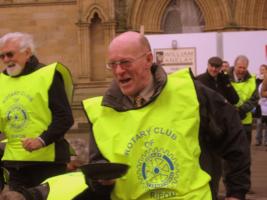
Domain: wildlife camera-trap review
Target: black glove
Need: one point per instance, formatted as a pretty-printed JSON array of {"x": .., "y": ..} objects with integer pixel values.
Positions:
[
  {"x": 223, "y": 78},
  {"x": 242, "y": 114}
]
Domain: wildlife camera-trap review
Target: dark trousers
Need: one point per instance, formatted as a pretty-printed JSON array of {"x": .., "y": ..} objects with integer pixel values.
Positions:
[
  {"x": 32, "y": 175},
  {"x": 2, "y": 179},
  {"x": 248, "y": 131},
  {"x": 216, "y": 174}
]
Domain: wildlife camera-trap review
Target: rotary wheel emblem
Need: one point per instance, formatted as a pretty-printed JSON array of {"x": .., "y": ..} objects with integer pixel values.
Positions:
[
  {"x": 17, "y": 117},
  {"x": 157, "y": 168}
]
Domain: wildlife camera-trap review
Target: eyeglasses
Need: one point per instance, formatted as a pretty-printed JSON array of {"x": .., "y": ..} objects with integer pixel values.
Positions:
[
  {"x": 8, "y": 54},
  {"x": 124, "y": 64}
]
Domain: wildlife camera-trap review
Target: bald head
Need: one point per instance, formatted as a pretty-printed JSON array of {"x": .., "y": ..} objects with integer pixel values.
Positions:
[
  {"x": 130, "y": 39},
  {"x": 241, "y": 66},
  {"x": 130, "y": 59}
]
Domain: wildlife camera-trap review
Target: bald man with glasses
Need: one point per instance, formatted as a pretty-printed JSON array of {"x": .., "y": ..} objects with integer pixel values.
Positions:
[{"x": 167, "y": 139}]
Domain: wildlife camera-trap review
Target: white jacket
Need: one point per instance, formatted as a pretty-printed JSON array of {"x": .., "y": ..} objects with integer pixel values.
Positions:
[{"x": 262, "y": 102}]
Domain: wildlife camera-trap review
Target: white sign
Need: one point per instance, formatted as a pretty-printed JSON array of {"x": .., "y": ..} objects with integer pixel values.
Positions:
[{"x": 173, "y": 59}]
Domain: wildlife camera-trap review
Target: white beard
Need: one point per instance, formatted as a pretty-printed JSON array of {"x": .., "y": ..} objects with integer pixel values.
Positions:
[{"x": 14, "y": 70}]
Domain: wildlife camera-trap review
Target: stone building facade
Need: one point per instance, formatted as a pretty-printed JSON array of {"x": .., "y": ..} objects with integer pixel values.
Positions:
[{"x": 77, "y": 32}]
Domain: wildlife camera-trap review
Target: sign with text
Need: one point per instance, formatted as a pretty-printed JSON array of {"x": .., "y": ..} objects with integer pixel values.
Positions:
[{"x": 173, "y": 59}]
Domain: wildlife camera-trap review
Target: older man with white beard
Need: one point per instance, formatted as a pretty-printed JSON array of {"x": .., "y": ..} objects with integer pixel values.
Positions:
[{"x": 35, "y": 113}]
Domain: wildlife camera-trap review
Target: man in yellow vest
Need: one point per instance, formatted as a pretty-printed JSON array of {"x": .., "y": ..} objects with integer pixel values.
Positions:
[
  {"x": 167, "y": 136},
  {"x": 245, "y": 85},
  {"x": 35, "y": 113}
]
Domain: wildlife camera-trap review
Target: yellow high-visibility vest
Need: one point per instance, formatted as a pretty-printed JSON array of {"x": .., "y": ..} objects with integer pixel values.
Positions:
[
  {"x": 159, "y": 142},
  {"x": 245, "y": 91},
  {"x": 66, "y": 186},
  {"x": 25, "y": 113}
]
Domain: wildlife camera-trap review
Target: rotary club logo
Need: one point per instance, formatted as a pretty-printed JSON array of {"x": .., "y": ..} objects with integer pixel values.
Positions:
[
  {"x": 17, "y": 117},
  {"x": 157, "y": 168}
]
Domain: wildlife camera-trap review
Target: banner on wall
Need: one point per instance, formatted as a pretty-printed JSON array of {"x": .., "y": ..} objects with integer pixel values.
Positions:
[{"x": 173, "y": 59}]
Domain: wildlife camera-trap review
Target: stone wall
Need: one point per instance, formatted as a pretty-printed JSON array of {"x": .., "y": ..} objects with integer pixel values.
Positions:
[{"x": 53, "y": 28}]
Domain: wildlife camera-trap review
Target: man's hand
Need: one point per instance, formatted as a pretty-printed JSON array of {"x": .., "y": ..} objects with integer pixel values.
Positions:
[
  {"x": 31, "y": 144},
  {"x": 223, "y": 78},
  {"x": 241, "y": 113}
]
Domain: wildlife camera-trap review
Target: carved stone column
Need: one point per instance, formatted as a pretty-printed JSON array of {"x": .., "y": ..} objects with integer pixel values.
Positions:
[
  {"x": 84, "y": 71},
  {"x": 109, "y": 34}
]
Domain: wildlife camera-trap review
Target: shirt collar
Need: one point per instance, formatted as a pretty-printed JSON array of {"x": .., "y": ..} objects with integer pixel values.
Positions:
[
  {"x": 147, "y": 92},
  {"x": 236, "y": 79}
]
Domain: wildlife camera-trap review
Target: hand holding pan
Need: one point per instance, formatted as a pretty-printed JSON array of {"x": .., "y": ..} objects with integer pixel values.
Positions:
[{"x": 104, "y": 171}]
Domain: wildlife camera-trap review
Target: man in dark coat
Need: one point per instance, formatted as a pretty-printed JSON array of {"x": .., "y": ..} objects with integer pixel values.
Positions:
[{"x": 217, "y": 79}]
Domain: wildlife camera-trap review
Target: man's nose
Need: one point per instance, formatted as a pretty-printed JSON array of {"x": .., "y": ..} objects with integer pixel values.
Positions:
[
  {"x": 119, "y": 68},
  {"x": 5, "y": 58}
]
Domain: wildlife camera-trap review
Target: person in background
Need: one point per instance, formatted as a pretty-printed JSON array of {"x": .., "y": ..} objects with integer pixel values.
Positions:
[
  {"x": 35, "y": 113},
  {"x": 144, "y": 107},
  {"x": 261, "y": 129},
  {"x": 262, "y": 139},
  {"x": 257, "y": 113},
  {"x": 216, "y": 79},
  {"x": 263, "y": 91},
  {"x": 245, "y": 85},
  {"x": 225, "y": 66}
]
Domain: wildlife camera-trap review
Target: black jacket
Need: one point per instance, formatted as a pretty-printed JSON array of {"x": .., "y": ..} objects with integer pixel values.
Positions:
[
  {"x": 220, "y": 131},
  {"x": 221, "y": 84},
  {"x": 62, "y": 118}
]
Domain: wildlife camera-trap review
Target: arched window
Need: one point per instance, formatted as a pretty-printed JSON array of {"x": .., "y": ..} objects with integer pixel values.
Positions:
[
  {"x": 97, "y": 48},
  {"x": 182, "y": 17}
]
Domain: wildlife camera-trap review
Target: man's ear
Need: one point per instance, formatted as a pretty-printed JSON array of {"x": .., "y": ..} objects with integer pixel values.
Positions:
[
  {"x": 149, "y": 59},
  {"x": 28, "y": 52}
]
